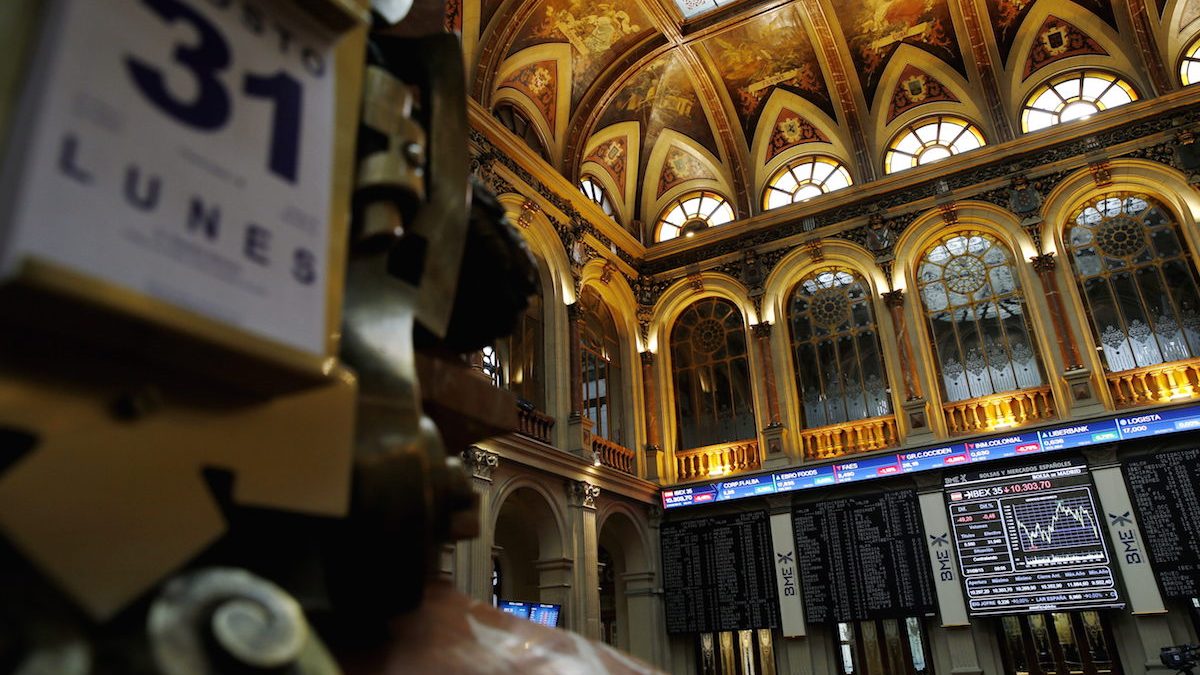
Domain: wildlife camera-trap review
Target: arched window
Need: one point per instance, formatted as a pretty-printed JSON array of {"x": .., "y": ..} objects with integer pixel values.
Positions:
[
  {"x": 1073, "y": 96},
  {"x": 524, "y": 360},
  {"x": 1135, "y": 276},
  {"x": 691, "y": 213},
  {"x": 836, "y": 355},
  {"x": 805, "y": 178},
  {"x": 490, "y": 365},
  {"x": 601, "y": 367},
  {"x": 1189, "y": 67},
  {"x": 517, "y": 122},
  {"x": 713, "y": 400},
  {"x": 977, "y": 317},
  {"x": 930, "y": 139},
  {"x": 592, "y": 189}
]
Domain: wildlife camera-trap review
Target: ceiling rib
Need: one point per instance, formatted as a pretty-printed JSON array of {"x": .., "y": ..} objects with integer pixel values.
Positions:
[
  {"x": 841, "y": 82},
  {"x": 511, "y": 17},
  {"x": 1143, "y": 34},
  {"x": 988, "y": 74},
  {"x": 725, "y": 131}
]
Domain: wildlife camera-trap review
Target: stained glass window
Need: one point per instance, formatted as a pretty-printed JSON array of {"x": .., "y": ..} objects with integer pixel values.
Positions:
[
  {"x": 691, "y": 213},
  {"x": 713, "y": 399},
  {"x": 836, "y": 355},
  {"x": 1073, "y": 96},
  {"x": 803, "y": 179},
  {"x": 601, "y": 367},
  {"x": 977, "y": 317},
  {"x": 1135, "y": 276},
  {"x": 931, "y": 139},
  {"x": 592, "y": 189},
  {"x": 1189, "y": 68}
]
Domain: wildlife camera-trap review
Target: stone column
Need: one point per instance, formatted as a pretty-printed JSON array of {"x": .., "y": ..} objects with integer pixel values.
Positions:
[
  {"x": 473, "y": 558},
  {"x": 1082, "y": 395},
  {"x": 1044, "y": 265},
  {"x": 915, "y": 416},
  {"x": 773, "y": 454},
  {"x": 574, "y": 319},
  {"x": 584, "y": 549},
  {"x": 653, "y": 431}
]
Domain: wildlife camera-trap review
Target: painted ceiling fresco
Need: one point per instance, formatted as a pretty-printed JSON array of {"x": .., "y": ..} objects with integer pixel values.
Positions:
[
  {"x": 735, "y": 90},
  {"x": 1007, "y": 16},
  {"x": 772, "y": 50},
  {"x": 874, "y": 29},
  {"x": 661, "y": 96},
  {"x": 598, "y": 32}
]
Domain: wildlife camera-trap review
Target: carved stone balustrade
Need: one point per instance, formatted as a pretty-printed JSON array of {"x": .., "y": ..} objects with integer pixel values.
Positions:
[
  {"x": 614, "y": 455},
  {"x": 1174, "y": 381},
  {"x": 534, "y": 424},
  {"x": 720, "y": 459},
  {"x": 835, "y": 440},
  {"x": 999, "y": 411}
]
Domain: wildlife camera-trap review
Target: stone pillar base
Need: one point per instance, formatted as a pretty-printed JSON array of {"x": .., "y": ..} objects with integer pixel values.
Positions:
[
  {"x": 775, "y": 454},
  {"x": 915, "y": 419},
  {"x": 1084, "y": 399}
]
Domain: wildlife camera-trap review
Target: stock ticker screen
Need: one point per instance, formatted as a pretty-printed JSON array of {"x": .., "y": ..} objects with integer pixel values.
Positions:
[{"x": 1031, "y": 538}]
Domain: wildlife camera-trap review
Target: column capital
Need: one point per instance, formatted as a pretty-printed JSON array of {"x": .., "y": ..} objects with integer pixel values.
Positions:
[
  {"x": 762, "y": 329},
  {"x": 582, "y": 494},
  {"x": 574, "y": 311},
  {"x": 894, "y": 299},
  {"x": 481, "y": 463},
  {"x": 647, "y": 358},
  {"x": 1046, "y": 262}
]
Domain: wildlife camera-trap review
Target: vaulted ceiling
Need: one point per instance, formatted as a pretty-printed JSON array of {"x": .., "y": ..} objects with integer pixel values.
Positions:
[{"x": 651, "y": 105}]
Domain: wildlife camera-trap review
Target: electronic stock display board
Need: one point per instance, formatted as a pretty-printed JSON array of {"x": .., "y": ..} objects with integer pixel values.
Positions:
[
  {"x": 1031, "y": 538},
  {"x": 719, "y": 574},
  {"x": 1052, "y": 439},
  {"x": 863, "y": 558},
  {"x": 1165, "y": 490}
]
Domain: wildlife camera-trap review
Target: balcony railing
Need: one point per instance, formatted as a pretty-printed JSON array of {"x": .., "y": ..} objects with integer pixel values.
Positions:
[
  {"x": 534, "y": 423},
  {"x": 1174, "y": 381},
  {"x": 999, "y": 411},
  {"x": 717, "y": 460},
  {"x": 613, "y": 455},
  {"x": 876, "y": 433}
]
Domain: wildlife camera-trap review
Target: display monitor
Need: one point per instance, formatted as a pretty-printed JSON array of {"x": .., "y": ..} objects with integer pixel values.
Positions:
[
  {"x": 1031, "y": 538},
  {"x": 537, "y": 612}
]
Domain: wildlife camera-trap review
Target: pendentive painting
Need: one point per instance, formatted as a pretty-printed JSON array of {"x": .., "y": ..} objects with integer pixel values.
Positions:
[
  {"x": 874, "y": 29},
  {"x": 1007, "y": 16},
  {"x": 661, "y": 96},
  {"x": 770, "y": 51},
  {"x": 598, "y": 33}
]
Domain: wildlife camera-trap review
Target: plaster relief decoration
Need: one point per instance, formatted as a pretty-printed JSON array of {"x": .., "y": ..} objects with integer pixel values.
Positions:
[
  {"x": 538, "y": 81},
  {"x": 770, "y": 51},
  {"x": 597, "y": 31},
  {"x": 680, "y": 166},
  {"x": 916, "y": 87},
  {"x": 874, "y": 29},
  {"x": 661, "y": 96},
  {"x": 1007, "y": 15},
  {"x": 791, "y": 129},
  {"x": 1057, "y": 40},
  {"x": 612, "y": 155}
]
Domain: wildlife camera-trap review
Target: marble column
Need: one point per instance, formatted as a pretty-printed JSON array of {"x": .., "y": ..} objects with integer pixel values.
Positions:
[
  {"x": 1044, "y": 265},
  {"x": 584, "y": 550},
  {"x": 653, "y": 432},
  {"x": 473, "y": 558}
]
